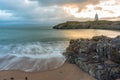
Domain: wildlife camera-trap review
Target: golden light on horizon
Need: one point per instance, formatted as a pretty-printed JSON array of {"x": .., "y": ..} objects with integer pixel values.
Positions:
[{"x": 105, "y": 9}]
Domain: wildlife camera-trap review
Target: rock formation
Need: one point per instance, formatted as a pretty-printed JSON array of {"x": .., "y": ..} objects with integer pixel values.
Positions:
[
  {"x": 99, "y": 56},
  {"x": 115, "y": 25}
]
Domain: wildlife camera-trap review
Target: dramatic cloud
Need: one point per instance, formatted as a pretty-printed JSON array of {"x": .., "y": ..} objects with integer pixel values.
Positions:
[
  {"x": 4, "y": 15},
  {"x": 108, "y": 8},
  {"x": 31, "y": 11},
  {"x": 79, "y": 3},
  {"x": 55, "y": 11},
  {"x": 98, "y": 8}
]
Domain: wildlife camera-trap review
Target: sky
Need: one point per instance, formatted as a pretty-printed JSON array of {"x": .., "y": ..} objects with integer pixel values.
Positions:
[{"x": 48, "y": 12}]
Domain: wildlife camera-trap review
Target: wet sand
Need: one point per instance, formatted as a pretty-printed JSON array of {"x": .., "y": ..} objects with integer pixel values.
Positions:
[{"x": 66, "y": 72}]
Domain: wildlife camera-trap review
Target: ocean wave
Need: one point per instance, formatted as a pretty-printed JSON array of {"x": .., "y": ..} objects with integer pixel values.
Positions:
[{"x": 31, "y": 57}]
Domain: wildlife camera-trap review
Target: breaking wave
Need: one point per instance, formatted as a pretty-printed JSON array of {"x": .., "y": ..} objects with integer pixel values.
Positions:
[{"x": 31, "y": 57}]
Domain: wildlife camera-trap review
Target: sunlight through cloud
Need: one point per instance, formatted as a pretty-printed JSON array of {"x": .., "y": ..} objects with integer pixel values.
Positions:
[{"x": 104, "y": 9}]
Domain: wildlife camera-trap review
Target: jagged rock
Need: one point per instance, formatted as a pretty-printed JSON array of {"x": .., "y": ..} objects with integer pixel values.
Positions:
[
  {"x": 101, "y": 38},
  {"x": 99, "y": 56},
  {"x": 116, "y": 49}
]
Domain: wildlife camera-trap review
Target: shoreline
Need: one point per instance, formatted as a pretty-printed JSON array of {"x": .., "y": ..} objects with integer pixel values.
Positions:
[
  {"x": 66, "y": 72},
  {"x": 98, "y": 56},
  {"x": 101, "y": 24}
]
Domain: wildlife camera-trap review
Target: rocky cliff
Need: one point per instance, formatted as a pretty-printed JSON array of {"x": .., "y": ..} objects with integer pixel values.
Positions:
[
  {"x": 89, "y": 25},
  {"x": 99, "y": 56}
]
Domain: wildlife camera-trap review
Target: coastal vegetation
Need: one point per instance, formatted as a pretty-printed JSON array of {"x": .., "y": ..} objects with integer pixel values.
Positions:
[{"x": 101, "y": 24}]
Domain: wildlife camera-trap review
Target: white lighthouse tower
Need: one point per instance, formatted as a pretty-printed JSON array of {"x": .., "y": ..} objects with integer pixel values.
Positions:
[{"x": 96, "y": 17}]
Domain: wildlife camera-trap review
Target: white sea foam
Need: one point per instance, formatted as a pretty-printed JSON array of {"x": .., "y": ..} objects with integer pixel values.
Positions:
[{"x": 32, "y": 56}]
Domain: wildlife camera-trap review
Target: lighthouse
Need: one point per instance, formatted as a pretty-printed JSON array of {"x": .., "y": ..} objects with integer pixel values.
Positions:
[{"x": 96, "y": 17}]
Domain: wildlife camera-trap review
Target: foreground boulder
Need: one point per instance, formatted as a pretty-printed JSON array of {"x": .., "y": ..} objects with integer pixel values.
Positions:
[{"x": 99, "y": 56}]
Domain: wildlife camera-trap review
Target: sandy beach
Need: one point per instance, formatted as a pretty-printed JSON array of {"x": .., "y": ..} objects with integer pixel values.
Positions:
[{"x": 66, "y": 72}]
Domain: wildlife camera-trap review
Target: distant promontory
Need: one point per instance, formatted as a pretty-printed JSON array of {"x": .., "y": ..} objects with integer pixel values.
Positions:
[{"x": 102, "y": 24}]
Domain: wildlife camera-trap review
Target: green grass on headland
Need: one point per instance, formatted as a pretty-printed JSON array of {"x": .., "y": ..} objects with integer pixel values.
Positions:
[{"x": 101, "y": 24}]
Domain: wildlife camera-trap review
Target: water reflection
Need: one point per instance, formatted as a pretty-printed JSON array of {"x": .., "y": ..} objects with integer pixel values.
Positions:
[
  {"x": 48, "y": 35},
  {"x": 74, "y": 34}
]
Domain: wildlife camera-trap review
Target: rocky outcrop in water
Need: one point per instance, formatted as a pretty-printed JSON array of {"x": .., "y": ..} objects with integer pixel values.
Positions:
[
  {"x": 89, "y": 25},
  {"x": 99, "y": 56}
]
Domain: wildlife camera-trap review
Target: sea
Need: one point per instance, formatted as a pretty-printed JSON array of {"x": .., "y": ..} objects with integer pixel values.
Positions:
[{"x": 32, "y": 49}]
